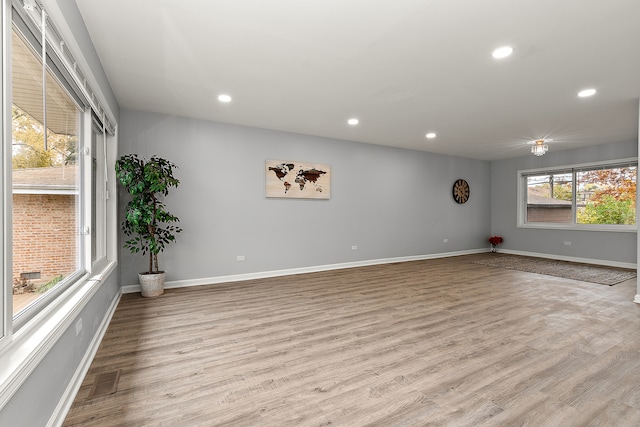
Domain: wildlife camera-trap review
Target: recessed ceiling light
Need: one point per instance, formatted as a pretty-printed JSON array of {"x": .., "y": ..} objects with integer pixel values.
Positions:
[
  {"x": 502, "y": 52},
  {"x": 224, "y": 98},
  {"x": 430, "y": 135},
  {"x": 353, "y": 122},
  {"x": 586, "y": 92}
]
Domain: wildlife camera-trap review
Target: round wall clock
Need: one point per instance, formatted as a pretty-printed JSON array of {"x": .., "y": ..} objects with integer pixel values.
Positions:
[{"x": 461, "y": 191}]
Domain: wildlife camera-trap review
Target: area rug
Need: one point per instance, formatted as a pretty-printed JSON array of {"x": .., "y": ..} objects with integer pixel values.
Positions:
[{"x": 565, "y": 269}]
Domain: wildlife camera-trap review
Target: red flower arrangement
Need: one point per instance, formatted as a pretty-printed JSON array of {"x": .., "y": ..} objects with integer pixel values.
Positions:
[{"x": 495, "y": 240}]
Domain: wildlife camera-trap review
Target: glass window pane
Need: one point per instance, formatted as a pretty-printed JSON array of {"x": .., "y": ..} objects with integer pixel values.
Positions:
[
  {"x": 549, "y": 198},
  {"x": 46, "y": 189},
  {"x": 606, "y": 196},
  {"x": 98, "y": 199}
]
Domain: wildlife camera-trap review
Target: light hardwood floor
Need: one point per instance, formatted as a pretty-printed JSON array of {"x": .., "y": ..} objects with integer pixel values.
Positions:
[{"x": 436, "y": 342}]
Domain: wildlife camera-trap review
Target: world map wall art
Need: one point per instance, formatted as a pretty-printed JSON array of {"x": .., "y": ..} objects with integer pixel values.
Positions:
[{"x": 297, "y": 180}]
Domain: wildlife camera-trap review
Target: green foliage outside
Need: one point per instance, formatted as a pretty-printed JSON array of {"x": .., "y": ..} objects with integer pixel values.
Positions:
[
  {"x": 614, "y": 196},
  {"x": 562, "y": 192},
  {"x": 608, "y": 210},
  {"x": 50, "y": 284},
  {"x": 28, "y": 144}
]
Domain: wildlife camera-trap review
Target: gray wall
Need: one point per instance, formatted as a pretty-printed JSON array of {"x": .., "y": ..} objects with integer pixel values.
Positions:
[
  {"x": 598, "y": 245},
  {"x": 389, "y": 202}
]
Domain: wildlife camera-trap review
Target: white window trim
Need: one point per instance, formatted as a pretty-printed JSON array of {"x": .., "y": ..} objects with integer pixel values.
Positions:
[
  {"x": 6, "y": 303},
  {"x": 87, "y": 187},
  {"x": 100, "y": 234},
  {"x": 522, "y": 208}
]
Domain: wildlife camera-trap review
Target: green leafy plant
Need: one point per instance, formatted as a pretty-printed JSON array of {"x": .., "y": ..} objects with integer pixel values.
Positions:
[
  {"x": 608, "y": 210},
  {"x": 146, "y": 217},
  {"x": 50, "y": 284}
]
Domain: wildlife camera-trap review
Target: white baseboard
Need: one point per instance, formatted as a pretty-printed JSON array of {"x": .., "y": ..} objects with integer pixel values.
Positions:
[
  {"x": 637, "y": 299},
  {"x": 573, "y": 259},
  {"x": 313, "y": 269},
  {"x": 62, "y": 409},
  {"x": 275, "y": 273}
]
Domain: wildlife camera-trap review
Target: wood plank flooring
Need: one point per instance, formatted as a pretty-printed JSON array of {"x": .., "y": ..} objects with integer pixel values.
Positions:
[{"x": 436, "y": 342}]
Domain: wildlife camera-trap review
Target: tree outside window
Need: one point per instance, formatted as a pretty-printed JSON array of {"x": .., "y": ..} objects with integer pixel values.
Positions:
[{"x": 607, "y": 196}]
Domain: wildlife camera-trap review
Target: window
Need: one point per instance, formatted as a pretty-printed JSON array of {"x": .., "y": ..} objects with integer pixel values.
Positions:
[
  {"x": 606, "y": 195},
  {"x": 54, "y": 192},
  {"x": 594, "y": 197},
  {"x": 98, "y": 228},
  {"x": 45, "y": 181},
  {"x": 549, "y": 197}
]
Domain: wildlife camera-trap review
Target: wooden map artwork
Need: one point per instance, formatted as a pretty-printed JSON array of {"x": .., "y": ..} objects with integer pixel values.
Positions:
[{"x": 288, "y": 179}]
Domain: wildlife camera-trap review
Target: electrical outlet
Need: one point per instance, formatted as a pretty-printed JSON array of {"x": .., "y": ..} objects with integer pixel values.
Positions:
[
  {"x": 354, "y": 247},
  {"x": 567, "y": 243},
  {"x": 240, "y": 258},
  {"x": 446, "y": 240}
]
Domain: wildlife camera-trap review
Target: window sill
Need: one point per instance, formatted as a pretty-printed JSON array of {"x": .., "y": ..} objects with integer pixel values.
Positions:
[
  {"x": 581, "y": 227},
  {"x": 28, "y": 346}
]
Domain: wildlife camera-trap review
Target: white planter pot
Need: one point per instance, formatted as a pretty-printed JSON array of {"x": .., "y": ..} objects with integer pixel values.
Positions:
[{"x": 151, "y": 285}]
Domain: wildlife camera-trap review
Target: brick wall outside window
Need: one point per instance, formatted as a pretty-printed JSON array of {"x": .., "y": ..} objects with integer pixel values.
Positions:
[{"x": 44, "y": 235}]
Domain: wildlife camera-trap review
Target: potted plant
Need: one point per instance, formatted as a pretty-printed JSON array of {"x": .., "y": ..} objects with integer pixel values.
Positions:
[{"x": 146, "y": 217}]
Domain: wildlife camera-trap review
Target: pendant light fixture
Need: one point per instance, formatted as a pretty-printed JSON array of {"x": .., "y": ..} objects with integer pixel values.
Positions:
[{"x": 539, "y": 147}]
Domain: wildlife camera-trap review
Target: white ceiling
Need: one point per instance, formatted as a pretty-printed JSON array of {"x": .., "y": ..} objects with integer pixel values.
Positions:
[{"x": 402, "y": 67}]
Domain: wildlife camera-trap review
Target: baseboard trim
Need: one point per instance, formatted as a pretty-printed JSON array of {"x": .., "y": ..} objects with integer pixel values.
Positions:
[
  {"x": 637, "y": 299},
  {"x": 572, "y": 259},
  {"x": 276, "y": 273},
  {"x": 313, "y": 269},
  {"x": 62, "y": 409}
]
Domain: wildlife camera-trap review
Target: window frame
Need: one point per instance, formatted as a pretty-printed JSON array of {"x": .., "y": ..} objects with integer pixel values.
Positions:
[
  {"x": 6, "y": 300},
  {"x": 522, "y": 194},
  {"x": 39, "y": 305},
  {"x": 97, "y": 233}
]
